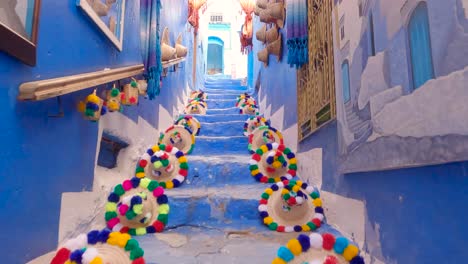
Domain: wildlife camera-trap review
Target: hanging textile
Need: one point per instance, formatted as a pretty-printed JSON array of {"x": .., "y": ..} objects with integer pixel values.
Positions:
[
  {"x": 297, "y": 34},
  {"x": 193, "y": 7},
  {"x": 248, "y": 7},
  {"x": 151, "y": 45}
]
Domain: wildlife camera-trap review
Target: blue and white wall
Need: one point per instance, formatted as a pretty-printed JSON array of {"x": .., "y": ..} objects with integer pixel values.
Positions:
[{"x": 46, "y": 161}]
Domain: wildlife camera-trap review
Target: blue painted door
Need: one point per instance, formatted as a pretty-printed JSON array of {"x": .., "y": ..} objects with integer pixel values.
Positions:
[
  {"x": 345, "y": 79},
  {"x": 420, "y": 46}
]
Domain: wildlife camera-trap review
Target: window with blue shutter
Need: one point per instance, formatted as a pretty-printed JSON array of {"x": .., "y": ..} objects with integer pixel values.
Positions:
[{"x": 345, "y": 79}]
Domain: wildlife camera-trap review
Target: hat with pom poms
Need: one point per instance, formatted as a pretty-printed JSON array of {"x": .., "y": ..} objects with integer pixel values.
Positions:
[
  {"x": 138, "y": 207},
  {"x": 249, "y": 109},
  {"x": 100, "y": 247},
  {"x": 198, "y": 94},
  {"x": 93, "y": 107},
  {"x": 189, "y": 122},
  {"x": 165, "y": 164},
  {"x": 245, "y": 99},
  {"x": 319, "y": 249},
  {"x": 180, "y": 137},
  {"x": 253, "y": 123},
  {"x": 264, "y": 135},
  {"x": 273, "y": 163},
  {"x": 196, "y": 107}
]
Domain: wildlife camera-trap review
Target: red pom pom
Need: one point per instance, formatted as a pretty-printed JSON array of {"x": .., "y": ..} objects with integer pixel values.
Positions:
[
  {"x": 270, "y": 170},
  {"x": 132, "y": 100},
  {"x": 139, "y": 261},
  {"x": 124, "y": 229},
  {"x": 328, "y": 241},
  {"x": 286, "y": 182},
  {"x": 263, "y": 201},
  {"x": 159, "y": 226},
  {"x": 264, "y": 179},
  {"x": 280, "y": 229},
  {"x": 164, "y": 156},
  {"x": 292, "y": 201},
  {"x": 292, "y": 172},
  {"x": 250, "y": 138},
  {"x": 256, "y": 157},
  {"x": 122, "y": 96},
  {"x": 281, "y": 147},
  {"x": 169, "y": 148},
  {"x": 62, "y": 255},
  {"x": 316, "y": 222},
  {"x": 143, "y": 163},
  {"x": 331, "y": 260}
]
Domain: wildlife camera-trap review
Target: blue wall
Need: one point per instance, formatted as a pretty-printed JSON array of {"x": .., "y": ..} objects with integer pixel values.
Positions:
[{"x": 42, "y": 157}]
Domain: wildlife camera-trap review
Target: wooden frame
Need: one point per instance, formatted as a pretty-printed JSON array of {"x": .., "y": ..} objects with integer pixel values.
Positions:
[
  {"x": 18, "y": 46},
  {"x": 89, "y": 11}
]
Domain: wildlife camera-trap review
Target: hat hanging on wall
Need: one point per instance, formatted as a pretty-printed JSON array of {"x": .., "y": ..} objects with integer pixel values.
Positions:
[
  {"x": 179, "y": 137},
  {"x": 276, "y": 47},
  {"x": 253, "y": 123},
  {"x": 167, "y": 51},
  {"x": 266, "y": 17},
  {"x": 271, "y": 35},
  {"x": 189, "y": 122},
  {"x": 291, "y": 206},
  {"x": 100, "y": 246},
  {"x": 165, "y": 164},
  {"x": 276, "y": 13},
  {"x": 262, "y": 4},
  {"x": 180, "y": 49},
  {"x": 262, "y": 56},
  {"x": 319, "y": 248},
  {"x": 131, "y": 92},
  {"x": 264, "y": 135},
  {"x": 92, "y": 108},
  {"x": 273, "y": 163},
  {"x": 138, "y": 207},
  {"x": 261, "y": 34}
]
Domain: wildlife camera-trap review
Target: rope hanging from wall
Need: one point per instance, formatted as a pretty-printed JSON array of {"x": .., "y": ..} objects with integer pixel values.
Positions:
[{"x": 297, "y": 32}]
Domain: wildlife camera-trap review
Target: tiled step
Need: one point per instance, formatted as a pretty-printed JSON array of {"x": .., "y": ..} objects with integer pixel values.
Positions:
[
  {"x": 220, "y": 145},
  {"x": 221, "y": 103},
  {"x": 225, "y": 90},
  {"x": 220, "y": 118},
  {"x": 223, "y": 111},
  {"x": 219, "y": 95},
  {"x": 226, "y": 128}
]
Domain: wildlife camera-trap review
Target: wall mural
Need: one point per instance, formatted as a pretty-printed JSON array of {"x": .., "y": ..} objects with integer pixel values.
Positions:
[
  {"x": 401, "y": 83},
  {"x": 108, "y": 15}
]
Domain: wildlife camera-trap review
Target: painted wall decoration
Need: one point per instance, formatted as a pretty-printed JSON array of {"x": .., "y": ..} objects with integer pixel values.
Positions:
[
  {"x": 19, "y": 21},
  {"x": 401, "y": 84},
  {"x": 108, "y": 15}
]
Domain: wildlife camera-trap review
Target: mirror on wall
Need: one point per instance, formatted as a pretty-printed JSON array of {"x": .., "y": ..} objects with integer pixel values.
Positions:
[
  {"x": 19, "y": 21},
  {"x": 108, "y": 16}
]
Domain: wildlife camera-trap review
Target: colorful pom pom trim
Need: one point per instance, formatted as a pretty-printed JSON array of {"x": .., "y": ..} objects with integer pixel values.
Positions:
[
  {"x": 303, "y": 243},
  {"x": 168, "y": 131},
  {"x": 257, "y": 157},
  {"x": 296, "y": 186},
  {"x": 268, "y": 129},
  {"x": 158, "y": 151},
  {"x": 245, "y": 99},
  {"x": 187, "y": 121},
  {"x": 113, "y": 212},
  {"x": 198, "y": 94},
  {"x": 258, "y": 121},
  {"x": 81, "y": 250}
]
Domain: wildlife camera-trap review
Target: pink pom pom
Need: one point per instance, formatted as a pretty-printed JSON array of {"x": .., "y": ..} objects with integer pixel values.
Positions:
[
  {"x": 158, "y": 191},
  {"x": 114, "y": 221},
  {"x": 127, "y": 185},
  {"x": 123, "y": 209}
]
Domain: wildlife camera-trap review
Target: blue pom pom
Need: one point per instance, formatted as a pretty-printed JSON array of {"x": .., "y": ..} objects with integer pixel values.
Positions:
[
  {"x": 163, "y": 199},
  {"x": 103, "y": 110},
  {"x": 270, "y": 160},
  {"x": 104, "y": 235},
  {"x": 319, "y": 210},
  {"x": 285, "y": 254},
  {"x": 135, "y": 182},
  {"x": 92, "y": 106},
  {"x": 93, "y": 237},
  {"x": 136, "y": 200},
  {"x": 258, "y": 177},
  {"x": 269, "y": 146},
  {"x": 357, "y": 260},
  {"x": 304, "y": 241},
  {"x": 291, "y": 155},
  {"x": 154, "y": 159},
  {"x": 113, "y": 198},
  {"x": 304, "y": 186},
  {"x": 287, "y": 187},
  {"x": 298, "y": 228},
  {"x": 176, "y": 183},
  {"x": 274, "y": 187},
  {"x": 300, "y": 193},
  {"x": 283, "y": 178},
  {"x": 264, "y": 214},
  {"x": 150, "y": 152},
  {"x": 77, "y": 255},
  {"x": 179, "y": 154},
  {"x": 150, "y": 229},
  {"x": 340, "y": 244}
]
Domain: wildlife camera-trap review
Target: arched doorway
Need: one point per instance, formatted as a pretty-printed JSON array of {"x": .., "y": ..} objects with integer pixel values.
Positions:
[
  {"x": 420, "y": 46},
  {"x": 215, "y": 55}
]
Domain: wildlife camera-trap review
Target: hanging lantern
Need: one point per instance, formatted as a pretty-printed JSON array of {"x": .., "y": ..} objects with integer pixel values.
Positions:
[{"x": 248, "y": 6}]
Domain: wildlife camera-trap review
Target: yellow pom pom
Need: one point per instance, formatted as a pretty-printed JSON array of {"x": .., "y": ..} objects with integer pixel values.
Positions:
[
  {"x": 183, "y": 159},
  {"x": 96, "y": 260},
  {"x": 81, "y": 106},
  {"x": 93, "y": 98},
  {"x": 318, "y": 202},
  {"x": 267, "y": 220},
  {"x": 350, "y": 252},
  {"x": 111, "y": 207},
  {"x": 169, "y": 185},
  {"x": 293, "y": 161},
  {"x": 140, "y": 175},
  {"x": 70, "y": 262},
  {"x": 284, "y": 191},
  {"x": 277, "y": 164},
  {"x": 118, "y": 239},
  {"x": 155, "y": 148},
  {"x": 296, "y": 188},
  {"x": 278, "y": 261},
  {"x": 163, "y": 209},
  {"x": 269, "y": 191},
  {"x": 254, "y": 172},
  {"x": 299, "y": 183},
  {"x": 264, "y": 148},
  {"x": 113, "y": 106},
  {"x": 140, "y": 231},
  {"x": 144, "y": 182},
  {"x": 294, "y": 246},
  {"x": 305, "y": 228},
  {"x": 138, "y": 209}
]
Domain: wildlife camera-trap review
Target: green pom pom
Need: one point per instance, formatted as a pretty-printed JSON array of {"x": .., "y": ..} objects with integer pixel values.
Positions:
[
  {"x": 89, "y": 112},
  {"x": 165, "y": 163},
  {"x": 138, "y": 209},
  {"x": 132, "y": 232},
  {"x": 110, "y": 215},
  {"x": 163, "y": 184},
  {"x": 131, "y": 245},
  {"x": 271, "y": 180},
  {"x": 287, "y": 151},
  {"x": 273, "y": 226},
  {"x": 163, "y": 218},
  {"x": 265, "y": 196},
  {"x": 286, "y": 196},
  {"x": 184, "y": 166},
  {"x": 312, "y": 226},
  {"x": 259, "y": 152},
  {"x": 162, "y": 147},
  {"x": 292, "y": 183},
  {"x": 293, "y": 167},
  {"x": 134, "y": 84},
  {"x": 136, "y": 253},
  {"x": 119, "y": 190},
  {"x": 253, "y": 167},
  {"x": 115, "y": 92},
  {"x": 130, "y": 214},
  {"x": 153, "y": 185},
  {"x": 158, "y": 164},
  {"x": 281, "y": 159},
  {"x": 140, "y": 169},
  {"x": 314, "y": 195}
]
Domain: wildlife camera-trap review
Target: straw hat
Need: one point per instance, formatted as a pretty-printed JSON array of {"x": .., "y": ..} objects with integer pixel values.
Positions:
[
  {"x": 271, "y": 35},
  {"x": 179, "y": 137},
  {"x": 164, "y": 164},
  {"x": 189, "y": 122},
  {"x": 249, "y": 109},
  {"x": 138, "y": 207},
  {"x": 196, "y": 108},
  {"x": 264, "y": 135},
  {"x": 291, "y": 206},
  {"x": 100, "y": 246},
  {"x": 262, "y": 4},
  {"x": 273, "y": 163},
  {"x": 198, "y": 94},
  {"x": 245, "y": 99},
  {"x": 263, "y": 56},
  {"x": 253, "y": 123},
  {"x": 181, "y": 50},
  {"x": 167, "y": 52},
  {"x": 318, "y": 248},
  {"x": 277, "y": 12},
  {"x": 276, "y": 48},
  {"x": 261, "y": 34}
]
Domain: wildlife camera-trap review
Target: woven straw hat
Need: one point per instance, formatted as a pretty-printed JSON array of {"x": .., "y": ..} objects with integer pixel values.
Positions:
[
  {"x": 181, "y": 50},
  {"x": 319, "y": 248},
  {"x": 196, "y": 108},
  {"x": 179, "y": 137},
  {"x": 198, "y": 94},
  {"x": 189, "y": 122},
  {"x": 253, "y": 123},
  {"x": 249, "y": 109},
  {"x": 138, "y": 207},
  {"x": 291, "y": 206},
  {"x": 244, "y": 100},
  {"x": 164, "y": 164},
  {"x": 167, "y": 52},
  {"x": 273, "y": 163},
  {"x": 264, "y": 135},
  {"x": 100, "y": 246}
]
